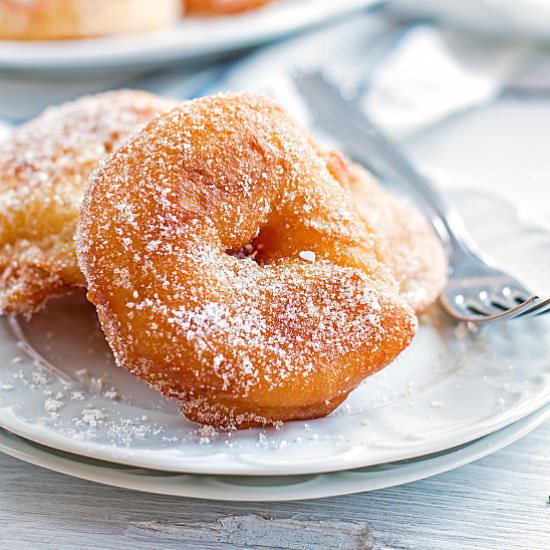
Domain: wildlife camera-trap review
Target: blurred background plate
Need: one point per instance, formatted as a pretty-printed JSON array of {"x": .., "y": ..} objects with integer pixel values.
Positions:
[
  {"x": 191, "y": 39},
  {"x": 520, "y": 18}
]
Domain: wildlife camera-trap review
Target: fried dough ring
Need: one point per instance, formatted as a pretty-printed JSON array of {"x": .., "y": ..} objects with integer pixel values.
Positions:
[
  {"x": 230, "y": 269},
  {"x": 65, "y": 19},
  {"x": 221, "y": 7},
  {"x": 415, "y": 253},
  {"x": 44, "y": 167}
]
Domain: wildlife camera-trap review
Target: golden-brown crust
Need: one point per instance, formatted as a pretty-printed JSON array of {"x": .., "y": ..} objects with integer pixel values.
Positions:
[
  {"x": 44, "y": 167},
  {"x": 231, "y": 270},
  {"x": 65, "y": 19},
  {"x": 221, "y": 7}
]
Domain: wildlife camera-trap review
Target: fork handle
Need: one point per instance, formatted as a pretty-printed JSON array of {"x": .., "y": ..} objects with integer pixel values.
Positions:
[
  {"x": 370, "y": 146},
  {"x": 344, "y": 119}
]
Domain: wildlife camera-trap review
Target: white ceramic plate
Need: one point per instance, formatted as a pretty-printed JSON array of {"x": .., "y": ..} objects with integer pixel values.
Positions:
[
  {"x": 59, "y": 387},
  {"x": 267, "y": 489},
  {"x": 192, "y": 38},
  {"x": 448, "y": 388}
]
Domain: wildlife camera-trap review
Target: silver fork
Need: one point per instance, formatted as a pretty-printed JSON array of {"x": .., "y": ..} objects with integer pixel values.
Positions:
[{"x": 477, "y": 291}]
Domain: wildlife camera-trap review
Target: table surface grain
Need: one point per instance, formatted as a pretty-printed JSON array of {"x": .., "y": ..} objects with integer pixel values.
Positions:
[{"x": 498, "y": 502}]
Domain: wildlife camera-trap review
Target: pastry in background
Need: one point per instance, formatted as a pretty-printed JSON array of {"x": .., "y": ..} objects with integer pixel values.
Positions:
[
  {"x": 416, "y": 254},
  {"x": 66, "y": 19},
  {"x": 44, "y": 167},
  {"x": 221, "y": 7}
]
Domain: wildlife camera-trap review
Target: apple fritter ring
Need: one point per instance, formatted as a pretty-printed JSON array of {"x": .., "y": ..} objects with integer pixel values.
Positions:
[
  {"x": 44, "y": 167},
  {"x": 230, "y": 269}
]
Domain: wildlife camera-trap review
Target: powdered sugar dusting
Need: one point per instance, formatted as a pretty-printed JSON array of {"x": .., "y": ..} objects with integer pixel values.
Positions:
[{"x": 192, "y": 240}]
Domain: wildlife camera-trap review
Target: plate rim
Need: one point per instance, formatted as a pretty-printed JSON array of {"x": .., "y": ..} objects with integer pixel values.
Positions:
[
  {"x": 234, "y": 468},
  {"x": 350, "y": 482},
  {"x": 130, "y": 52},
  {"x": 10, "y": 421}
]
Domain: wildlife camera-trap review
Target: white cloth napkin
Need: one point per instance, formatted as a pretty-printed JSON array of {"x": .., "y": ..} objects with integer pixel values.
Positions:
[{"x": 431, "y": 73}]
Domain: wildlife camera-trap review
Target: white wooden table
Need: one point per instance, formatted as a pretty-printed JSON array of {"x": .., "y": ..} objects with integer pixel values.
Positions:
[{"x": 499, "y": 502}]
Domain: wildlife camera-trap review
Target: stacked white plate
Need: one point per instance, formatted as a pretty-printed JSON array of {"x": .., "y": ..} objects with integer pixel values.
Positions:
[{"x": 454, "y": 396}]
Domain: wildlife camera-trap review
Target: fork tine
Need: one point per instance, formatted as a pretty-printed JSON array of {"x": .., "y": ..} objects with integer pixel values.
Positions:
[
  {"x": 502, "y": 305},
  {"x": 492, "y": 309},
  {"x": 541, "y": 311},
  {"x": 479, "y": 309},
  {"x": 520, "y": 296},
  {"x": 342, "y": 118},
  {"x": 518, "y": 310},
  {"x": 511, "y": 313},
  {"x": 537, "y": 309}
]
